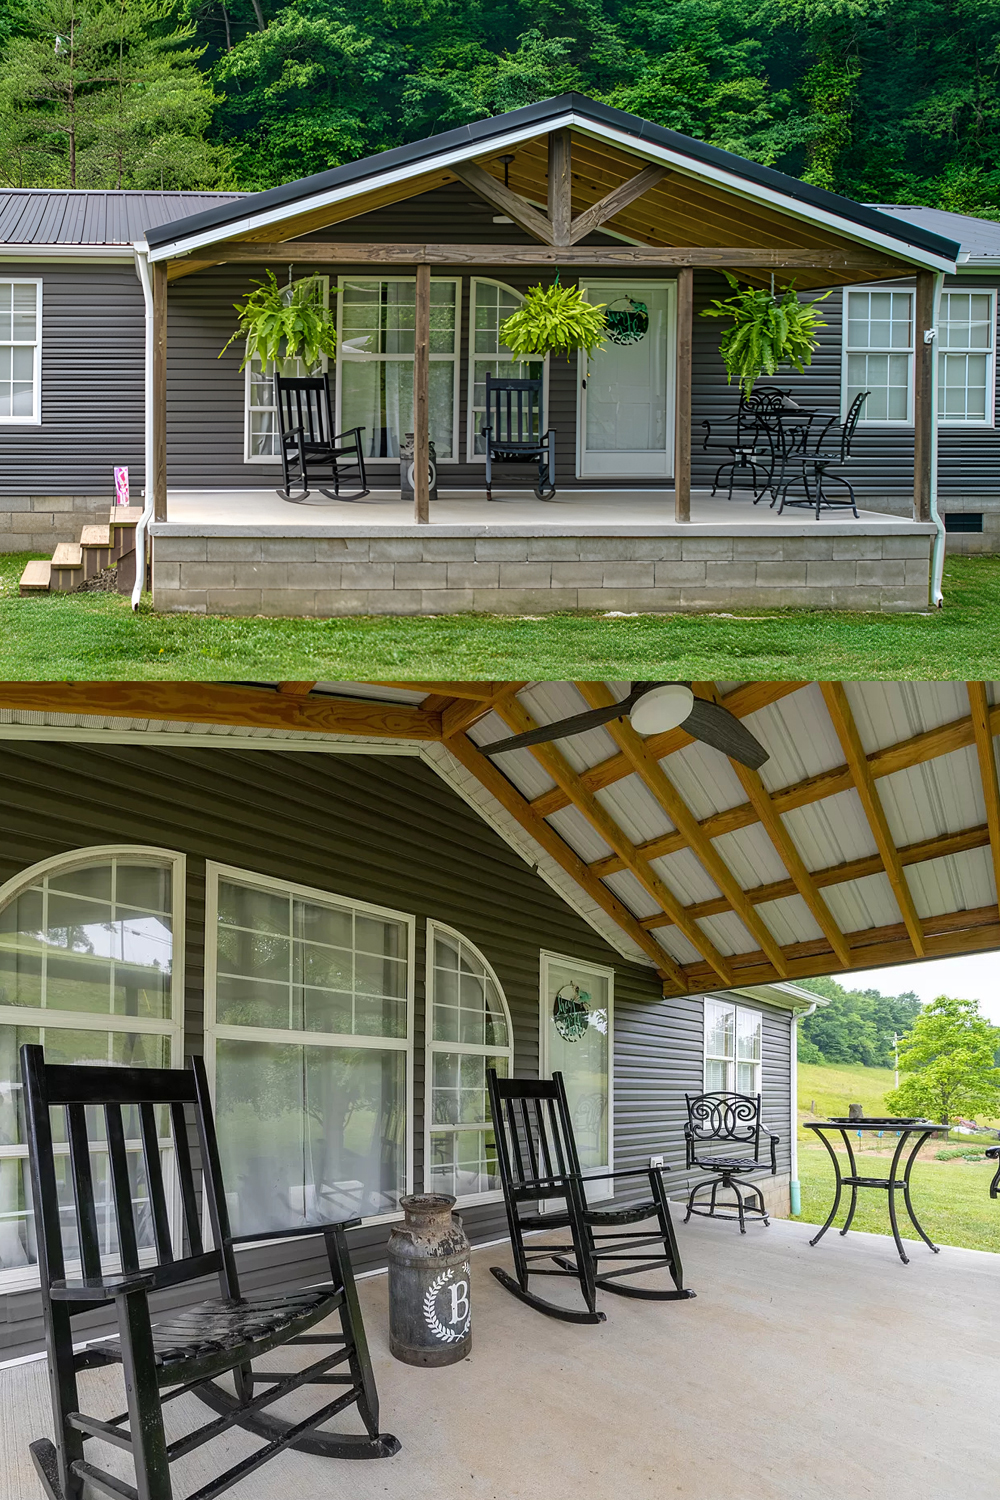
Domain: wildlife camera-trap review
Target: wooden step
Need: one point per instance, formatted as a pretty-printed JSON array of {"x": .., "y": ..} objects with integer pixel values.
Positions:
[
  {"x": 66, "y": 568},
  {"x": 97, "y": 550},
  {"x": 123, "y": 520},
  {"x": 35, "y": 578}
]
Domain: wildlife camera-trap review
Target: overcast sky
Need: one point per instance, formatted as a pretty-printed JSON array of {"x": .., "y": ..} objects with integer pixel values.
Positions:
[{"x": 976, "y": 977}]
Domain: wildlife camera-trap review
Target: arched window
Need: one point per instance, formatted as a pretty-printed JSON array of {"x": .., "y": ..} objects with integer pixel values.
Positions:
[
  {"x": 468, "y": 1030},
  {"x": 491, "y": 303},
  {"x": 91, "y": 967}
]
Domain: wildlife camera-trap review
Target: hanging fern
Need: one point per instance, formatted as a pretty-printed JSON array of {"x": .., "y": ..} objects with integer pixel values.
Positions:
[
  {"x": 554, "y": 320},
  {"x": 280, "y": 322},
  {"x": 767, "y": 331}
]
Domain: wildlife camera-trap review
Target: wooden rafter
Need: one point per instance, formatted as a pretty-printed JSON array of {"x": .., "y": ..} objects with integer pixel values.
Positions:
[
  {"x": 295, "y": 689},
  {"x": 840, "y": 713},
  {"x": 548, "y": 839},
  {"x": 516, "y": 716},
  {"x": 614, "y": 202},
  {"x": 653, "y": 776},
  {"x": 505, "y": 200},
  {"x": 987, "y": 770},
  {"x": 938, "y": 847}
]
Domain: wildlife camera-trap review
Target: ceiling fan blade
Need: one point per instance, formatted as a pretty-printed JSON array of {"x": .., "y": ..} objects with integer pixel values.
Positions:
[
  {"x": 592, "y": 719},
  {"x": 716, "y": 726}
]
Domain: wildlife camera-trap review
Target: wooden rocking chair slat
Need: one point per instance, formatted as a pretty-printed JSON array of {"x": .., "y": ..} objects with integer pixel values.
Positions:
[
  {"x": 83, "y": 1190},
  {"x": 154, "y": 1183},
  {"x": 185, "y": 1175}
]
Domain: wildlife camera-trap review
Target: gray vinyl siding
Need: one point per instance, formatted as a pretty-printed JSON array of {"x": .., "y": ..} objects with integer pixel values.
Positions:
[{"x": 93, "y": 335}]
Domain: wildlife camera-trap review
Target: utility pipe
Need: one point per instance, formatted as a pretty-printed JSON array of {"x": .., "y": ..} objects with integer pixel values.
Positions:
[
  {"x": 142, "y": 266},
  {"x": 937, "y": 551},
  {"x": 794, "y": 1187}
]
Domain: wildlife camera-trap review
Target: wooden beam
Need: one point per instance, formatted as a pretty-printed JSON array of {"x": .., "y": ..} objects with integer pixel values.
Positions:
[
  {"x": 451, "y": 689},
  {"x": 684, "y": 387},
  {"x": 296, "y": 689},
  {"x": 741, "y": 701},
  {"x": 854, "y": 869},
  {"x": 987, "y": 770},
  {"x": 648, "y": 257},
  {"x": 422, "y": 397},
  {"x": 559, "y": 190},
  {"x": 517, "y": 717},
  {"x": 505, "y": 200},
  {"x": 840, "y": 713},
  {"x": 218, "y": 703},
  {"x": 614, "y": 202},
  {"x": 546, "y": 837},
  {"x": 923, "y": 404},
  {"x": 651, "y": 773},
  {"x": 158, "y": 479}
]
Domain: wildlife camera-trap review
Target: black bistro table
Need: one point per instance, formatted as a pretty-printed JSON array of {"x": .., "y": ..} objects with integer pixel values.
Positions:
[{"x": 892, "y": 1184}]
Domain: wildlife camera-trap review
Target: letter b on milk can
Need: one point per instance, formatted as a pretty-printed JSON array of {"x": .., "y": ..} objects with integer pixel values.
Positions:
[{"x": 430, "y": 1300}]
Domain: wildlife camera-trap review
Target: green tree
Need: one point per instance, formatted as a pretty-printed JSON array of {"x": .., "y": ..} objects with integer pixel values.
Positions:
[
  {"x": 948, "y": 1061},
  {"x": 106, "y": 94},
  {"x": 856, "y": 1026}
]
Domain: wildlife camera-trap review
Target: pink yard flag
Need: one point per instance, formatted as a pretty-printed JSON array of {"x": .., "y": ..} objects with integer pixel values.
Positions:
[{"x": 121, "y": 486}]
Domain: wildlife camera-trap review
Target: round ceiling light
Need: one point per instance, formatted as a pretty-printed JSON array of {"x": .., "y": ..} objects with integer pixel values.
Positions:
[{"x": 662, "y": 708}]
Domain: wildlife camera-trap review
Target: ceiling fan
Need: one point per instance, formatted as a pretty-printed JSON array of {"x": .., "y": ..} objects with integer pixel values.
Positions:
[{"x": 653, "y": 708}]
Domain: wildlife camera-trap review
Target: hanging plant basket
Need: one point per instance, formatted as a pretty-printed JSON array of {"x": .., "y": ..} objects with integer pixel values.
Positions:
[
  {"x": 768, "y": 330},
  {"x": 628, "y": 324},
  {"x": 285, "y": 322},
  {"x": 554, "y": 320}
]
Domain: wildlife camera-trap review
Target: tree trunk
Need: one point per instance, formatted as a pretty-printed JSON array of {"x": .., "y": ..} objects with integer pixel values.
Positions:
[{"x": 259, "y": 13}]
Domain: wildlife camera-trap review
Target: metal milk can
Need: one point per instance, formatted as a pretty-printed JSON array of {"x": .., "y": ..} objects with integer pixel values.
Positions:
[
  {"x": 430, "y": 1309},
  {"x": 406, "y": 467}
]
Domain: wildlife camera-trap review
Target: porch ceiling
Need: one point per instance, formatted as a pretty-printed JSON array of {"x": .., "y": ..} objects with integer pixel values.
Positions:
[{"x": 871, "y": 835}]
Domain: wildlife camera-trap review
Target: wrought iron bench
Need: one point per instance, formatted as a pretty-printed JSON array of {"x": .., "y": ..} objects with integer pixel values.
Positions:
[
  {"x": 185, "y": 1351},
  {"x": 513, "y": 431},
  {"x": 537, "y": 1159},
  {"x": 733, "y": 1120},
  {"x": 309, "y": 445}
]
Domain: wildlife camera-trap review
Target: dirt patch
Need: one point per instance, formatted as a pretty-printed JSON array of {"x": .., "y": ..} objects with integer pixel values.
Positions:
[{"x": 104, "y": 582}]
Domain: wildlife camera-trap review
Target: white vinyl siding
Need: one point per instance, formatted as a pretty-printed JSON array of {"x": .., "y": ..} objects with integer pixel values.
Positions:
[
  {"x": 966, "y": 357},
  {"x": 20, "y": 351},
  {"x": 878, "y": 355}
]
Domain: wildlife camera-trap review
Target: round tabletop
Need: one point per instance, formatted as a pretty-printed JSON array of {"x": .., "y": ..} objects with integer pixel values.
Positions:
[{"x": 873, "y": 1124}]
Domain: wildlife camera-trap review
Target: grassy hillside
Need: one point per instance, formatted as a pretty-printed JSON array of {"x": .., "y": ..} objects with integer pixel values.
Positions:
[{"x": 831, "y": 1087}]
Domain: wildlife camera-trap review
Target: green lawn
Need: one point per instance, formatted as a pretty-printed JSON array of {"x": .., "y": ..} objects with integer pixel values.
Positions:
[
  {"x": 951, "y": 1198},
  {"x": 81, "y": 636}
]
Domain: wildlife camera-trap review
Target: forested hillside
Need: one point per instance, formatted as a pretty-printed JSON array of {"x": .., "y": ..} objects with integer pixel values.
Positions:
[
  {"x": 857, "y": 1026},
  {"x": 884, "y": 100}
]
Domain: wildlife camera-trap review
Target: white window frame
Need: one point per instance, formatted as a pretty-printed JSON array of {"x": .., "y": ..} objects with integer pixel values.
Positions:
[
  {"x": 35, "y": 420},
  {"x": 472, "y": 456},
  {"x": 735, "y": 1060},
  {"x": 41, "y": 1017},
  {"x": 455, "y": 358},
  {"x": 472, "y": 1049},
  {"x": 846, "y": 350},
  {"x": 546, "y": 959},
  {"x": 324, "y": 365},
  {"x": 216, "y": 1031},
  {"x": 991, "y": 359}
]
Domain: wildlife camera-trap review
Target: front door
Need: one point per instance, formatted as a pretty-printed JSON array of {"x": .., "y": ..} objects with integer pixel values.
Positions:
[
  {"x": 577, "y": 1011},
  {"x": 626, "y": 407}
]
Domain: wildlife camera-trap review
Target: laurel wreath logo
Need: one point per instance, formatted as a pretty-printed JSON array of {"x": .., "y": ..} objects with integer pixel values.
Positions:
[{"x": 439, "y": 1329}]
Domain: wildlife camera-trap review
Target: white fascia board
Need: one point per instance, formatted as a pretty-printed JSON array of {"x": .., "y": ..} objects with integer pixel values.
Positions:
[
  {"x": 355, "y": 189},
  {"x": 67, "y": 252},
  {"x": 781, "y": 995}
]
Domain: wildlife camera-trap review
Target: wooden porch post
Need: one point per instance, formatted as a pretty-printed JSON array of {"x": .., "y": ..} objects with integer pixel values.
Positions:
[
  {"x": 421, "y": 397},
  {"x": 682, "y": 425},
  {"x": 158, "y": 478},
  {"x": 923, "y": 413}
]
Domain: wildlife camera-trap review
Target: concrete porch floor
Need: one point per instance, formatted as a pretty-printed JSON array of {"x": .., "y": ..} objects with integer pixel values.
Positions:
[
  {"x": 833, "y": 1373},
  {"x": 604, "y": 512}
]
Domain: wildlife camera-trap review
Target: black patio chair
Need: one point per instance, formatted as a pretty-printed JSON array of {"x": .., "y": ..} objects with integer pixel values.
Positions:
[
  {"x": 730, "y": 1120},
  {"x": 537, "y": 1158},
  {"x": 184, "y": 1351},
  {"x": 833, "y": 449},
  {"x": 994, "y": 1153},
  {"x": 754, "y": 445},
  {"x": 513, "y": 432},
  {"x": 310, "y": 450}
]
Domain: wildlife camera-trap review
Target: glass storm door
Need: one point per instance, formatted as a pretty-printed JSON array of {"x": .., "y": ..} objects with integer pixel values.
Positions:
[
  {"x": 576, "y": 1041},
  {"x": 626, "y": 417}
]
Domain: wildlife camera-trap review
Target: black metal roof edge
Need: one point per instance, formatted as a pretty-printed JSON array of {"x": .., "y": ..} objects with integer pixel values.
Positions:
[{"x": 602, "y": 114}]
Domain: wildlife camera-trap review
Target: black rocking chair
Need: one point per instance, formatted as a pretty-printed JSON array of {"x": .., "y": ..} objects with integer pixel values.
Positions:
[
  {"x": 513, "y": 432},
  {"x": 733, "y": 1119},
  {"x": 994, "y": 1152},
  {"x": 309, "y": 453},
  {"x": 184, "y": 1350},
  {"x": 537, "y": 1158},
  {"x": 833, "y": 449}
]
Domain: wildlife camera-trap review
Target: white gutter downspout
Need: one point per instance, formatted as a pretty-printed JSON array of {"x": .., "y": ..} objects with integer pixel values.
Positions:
[
  {"x": 794, "y": 1187},
  {"x": 937, "y": 550},
  {"x": 142, "y": 266}
]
